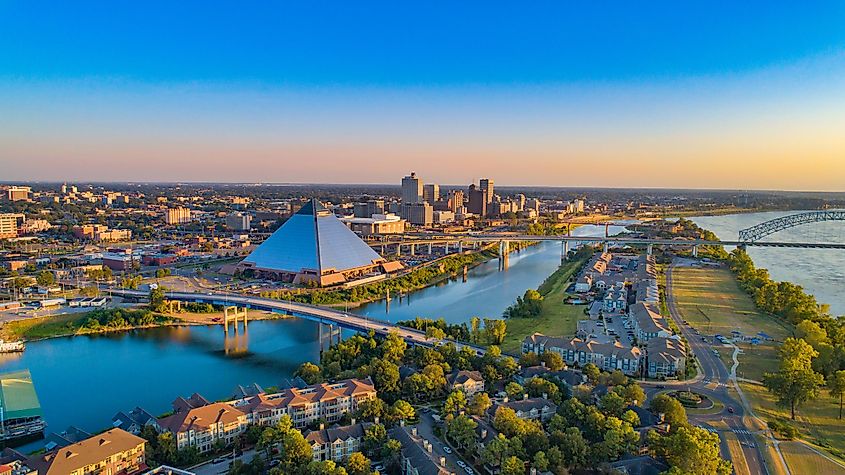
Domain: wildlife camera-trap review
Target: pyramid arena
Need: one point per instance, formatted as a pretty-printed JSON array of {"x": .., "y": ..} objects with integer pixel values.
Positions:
[{"x": 315, "y": 246}]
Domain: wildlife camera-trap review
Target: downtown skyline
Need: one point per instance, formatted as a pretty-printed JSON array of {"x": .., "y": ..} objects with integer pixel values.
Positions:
[{"x": 728, "y": 97}]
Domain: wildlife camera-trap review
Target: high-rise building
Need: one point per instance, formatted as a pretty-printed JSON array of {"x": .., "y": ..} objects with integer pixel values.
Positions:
[
  {"x": 456, "y": 200},
  {"x": 177, "y": 216},
  {"x": 419, "y": 214},
  {"x": 477, "y": 203},
  {"x": 18, "y": 193},
  {"x": 412, "y": 189},
  {"x": 579, "y": 206},
  {"x": 431, "y": 193},
  {"x": 520, "y": 201},
  {"x": 486, "y": 186},
  {"x": 238, "y": 221}
]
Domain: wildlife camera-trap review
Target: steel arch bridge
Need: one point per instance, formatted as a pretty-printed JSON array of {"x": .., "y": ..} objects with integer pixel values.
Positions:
[{"x": 772, "y": 226}]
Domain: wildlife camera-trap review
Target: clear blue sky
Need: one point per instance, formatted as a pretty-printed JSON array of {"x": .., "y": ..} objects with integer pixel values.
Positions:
[{"x": 478, "y": 87}]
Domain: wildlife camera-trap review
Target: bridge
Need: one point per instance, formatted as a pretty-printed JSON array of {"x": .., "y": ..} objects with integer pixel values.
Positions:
[
  {"x": 321, "y": 315},
  {"x": 755, "y": 233}
]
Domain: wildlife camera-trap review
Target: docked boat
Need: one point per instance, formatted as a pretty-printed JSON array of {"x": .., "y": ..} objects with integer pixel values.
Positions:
[{"x": 11, "y": 346}]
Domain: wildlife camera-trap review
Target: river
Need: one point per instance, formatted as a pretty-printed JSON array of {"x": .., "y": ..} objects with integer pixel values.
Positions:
[
  {"x": 85, "y": 380},
  {"x": 820, "y": 271}
]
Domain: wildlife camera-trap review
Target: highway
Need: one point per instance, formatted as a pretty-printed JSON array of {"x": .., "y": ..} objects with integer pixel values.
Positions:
[{"x": 314, "y": 313}]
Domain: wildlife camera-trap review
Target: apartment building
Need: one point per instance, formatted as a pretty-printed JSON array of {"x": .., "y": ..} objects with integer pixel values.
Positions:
[
  {"x": 470, "y": 382},
  {"x": 418, "y": 456},
  {"x": 111, "y": 453},
  {"x": 198, "y": 423},
  {"x": 177, "y": 215},
  {"x": 665, "y": 357},
  {"x": 326, "y": 401},
  {"x": 647, "y": 322},
  {"x": 534, "y": 409},
  {"x": 579, "y": 352},
  {"x": 9, "y": 224},
  {"x": 337, "y": 443}
]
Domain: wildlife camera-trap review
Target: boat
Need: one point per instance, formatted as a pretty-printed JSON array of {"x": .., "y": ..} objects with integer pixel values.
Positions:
[{"x": 11, "y": 346}]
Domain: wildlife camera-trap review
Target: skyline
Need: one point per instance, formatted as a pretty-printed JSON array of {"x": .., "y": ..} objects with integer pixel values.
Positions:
[{"x": 732, "y": 97}]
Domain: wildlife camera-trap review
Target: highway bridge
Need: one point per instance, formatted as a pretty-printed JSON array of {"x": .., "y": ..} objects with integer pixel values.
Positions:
[{"x": 321, "y": 315}]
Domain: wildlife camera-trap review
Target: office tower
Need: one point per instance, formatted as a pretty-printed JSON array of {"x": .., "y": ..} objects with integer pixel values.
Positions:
[
  {"x": 520, "y": 200},
  {"x": 456, "y": 200},
  {"x": 412, "y": 189},
  {"x": 431, "y": 193},
  {"x": 239, "y": 221},
  {"x": 486, "y": 185},
  {"x": 177, "y": 216},
  {"x": 477, "y": 203},
  {"x": 419, "y": 214},
  {"x": 18, "y": 193},
  {"x": 375, "y": 207}
]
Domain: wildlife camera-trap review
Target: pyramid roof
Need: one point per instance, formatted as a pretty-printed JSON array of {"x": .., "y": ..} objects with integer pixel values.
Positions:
[{"x": 312, "y": 239}]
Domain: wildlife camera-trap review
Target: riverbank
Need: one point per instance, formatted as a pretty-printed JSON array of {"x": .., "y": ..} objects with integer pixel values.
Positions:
[{"x": 556, "y": 317}]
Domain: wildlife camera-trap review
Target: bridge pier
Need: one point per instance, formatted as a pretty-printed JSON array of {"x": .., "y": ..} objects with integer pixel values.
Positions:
[
  {"x": 399, "y": 250},
  {"x": 564, "y": 250},
  {"x": 605, "y": 247},
  {"x": 504, "y": 252},
  {"x": 460, "y": 247},
  {"x": 233, "y": 313},
  {"x": 695, "y": 250},
  {"x": 649, "y": 249}
]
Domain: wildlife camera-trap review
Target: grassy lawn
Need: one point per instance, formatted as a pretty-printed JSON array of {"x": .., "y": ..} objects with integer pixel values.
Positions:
[
  {"x": 756, "y": 360},
  {"x": 557, "y": 318},
  {"x": 711, "y": 301},
  {"x": 737, "y": 455},
  {"x": 41, "y": 327},
  {"x": 801, "y": 459},
  {"x": 817, "y": 420}
]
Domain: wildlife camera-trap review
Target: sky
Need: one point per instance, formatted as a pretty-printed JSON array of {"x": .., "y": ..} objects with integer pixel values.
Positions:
[{"x": 739, "y": 95}]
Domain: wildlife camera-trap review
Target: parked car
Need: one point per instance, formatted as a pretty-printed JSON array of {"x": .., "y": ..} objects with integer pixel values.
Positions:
[{"x": 447, "y": 449}]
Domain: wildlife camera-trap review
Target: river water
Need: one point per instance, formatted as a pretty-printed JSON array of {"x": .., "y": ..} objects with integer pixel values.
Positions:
[
  {"x": 85, "y": 380},
  {"x": 820, "y": 271}
]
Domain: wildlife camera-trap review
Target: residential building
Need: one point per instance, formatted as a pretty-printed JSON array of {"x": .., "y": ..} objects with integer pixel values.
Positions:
[
  {"x": 665, "y": 357},
  {"x": 135, "y": 420},
  {"x": 112, "y": 452},
  {"x": 200, "y": 424},
  {"x": 336, "y": 443},
  {"x": 537, "y": 408},
  {"x": 647, "y": 322},
  {"x": 32, "y": 226},
  {"x": 579, "y": 352},
  {"x": 177, "y": 215},
  {"x": 412, "y": 189},
  {"x": 470, "y": 382},
  {"x": 326, "y": 401},
  {"x": 417, "y": 455}
]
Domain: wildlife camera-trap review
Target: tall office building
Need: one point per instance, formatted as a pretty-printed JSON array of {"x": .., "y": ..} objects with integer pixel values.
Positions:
[
  {"x": 239, "y": 221},
  {"x": 431, "y": 193},
  {"x": 477, "y": 203},
  {"x": 520, "y": 200},
  {"x": 419, "y": 214},
  {"x": 9, "y": 224},
  {"x": 412, "y": 189},
  {"x": 486, "y": 185},
  {"x": 456, "y": 200}
]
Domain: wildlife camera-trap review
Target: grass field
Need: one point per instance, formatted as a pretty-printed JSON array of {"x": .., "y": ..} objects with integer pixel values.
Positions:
[
  {"x": 737, "y": 455},
  {"x": 817, "y": 420},
  {"x": 557, "y": 318},
  {"x": 801, "y": 459},
  {"x": 41, "y": 327},
  {"x": 711, "y": 301}
]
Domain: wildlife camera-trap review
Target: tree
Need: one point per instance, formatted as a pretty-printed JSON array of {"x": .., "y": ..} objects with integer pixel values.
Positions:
[
  {"x": 309, "y": 372},
  {"x": 371, "y": 408},
  {"x": 612, "y": 404},
  {"x": 592, "y": 372},
  {"x": 45, "y": 278},
  {"x": 514, "y": 389},
  {"x": 553, "y": 361},
  {"x": 326, "y": 467},
  {"x": 157, "y": 299},
  {"x": 513, "y": 466},
  {"x": 632, "y": 393},
  {"x": 385, "y": 375},
  {"x": 673, "y": 412},
  {"x": 795, "y": 382},
  {"x": 461, "y": 431},
  {"x": 541, "y": 463},
  {"x": 393, "y": 347},
  {"x": 374, "y": 438},
  {"x": 495, "y": 451},
  {"x": 296, "y": 451},
  {"x": 390, "y": 452},
  {"x": 455, "y": 402},
  {"x": 836, "y": 387},
  {"x": 358, "y": 464},
  {"x": 401, "y": 411},
  {"x": 479, "y": 404},
  {"x": 691, "y": 450},
  {"x": 811, "y": 332},
  {"x": 574, "y": 448},
  {"x": 496, "y": 330},
  {"x": 434, "y": 333}
]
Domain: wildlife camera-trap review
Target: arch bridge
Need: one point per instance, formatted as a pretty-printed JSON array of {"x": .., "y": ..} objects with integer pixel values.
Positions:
[{"x": 759, "y": 231}]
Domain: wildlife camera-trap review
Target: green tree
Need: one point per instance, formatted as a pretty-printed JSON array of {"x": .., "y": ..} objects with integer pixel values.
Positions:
[
  {"x": 836, "y": 387},
  {"x": 795, "y": 382},
  {"x": 157, "y": 299},
  {"x": 393, "y": 347},
  {"x": 45, "y": 278},
  {"x": 374, "y": 438},
  {"x": 553, "y": 361},
  {"x": 479, "y": 404},
  {"x": 513, "y": 466},
  {"x": 574, "y": 448},
  {"x": 309, "y": 372},
  {"x": 496, "y": 330},
  {"x": 673, "y": 412},
  {"x": 541, "y": 463},
  {"x": 592, "y": 372},
  {"x": 385, "y": 375},
  {"x": 612, "y": 404},
  {"x": 461, "y": 431},
  {"x": 514, "y": 389},
  {"x": 401, "y": 411},
  {"x": 691, "y": 450},
  {"x": 358, "y": 464},
  {"x": 455, "y": 402}
]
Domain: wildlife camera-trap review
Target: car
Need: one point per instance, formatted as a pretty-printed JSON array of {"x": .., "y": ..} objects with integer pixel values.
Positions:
[
  {"x": 217, "y": 460},
  {"x": 447, "y": 450},
  {"x": 461, "y": 463},
  {"x": 468, "y": 470},
  {"x": 661, "y": 386},
  {"x": 730, "y": 409}
]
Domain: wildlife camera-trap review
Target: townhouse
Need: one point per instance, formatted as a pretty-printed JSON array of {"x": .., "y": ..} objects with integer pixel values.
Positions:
[
  {"x": 578, "y": 352},
  {"x": 198, "y": 423},
  {"x": 112, "y": 452},
  {"x": 647, "y": 322},
  {"x": 665, "y": 357},
  {"x": 337, "y": 443},
  {"x": 470, "y": 382},
  {"x": 537, "y": 408}
]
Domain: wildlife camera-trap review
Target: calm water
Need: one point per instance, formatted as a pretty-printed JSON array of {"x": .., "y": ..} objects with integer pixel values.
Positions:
[
  {"x": 85, "y": 380},
  {"x": 820, "y": 271}
]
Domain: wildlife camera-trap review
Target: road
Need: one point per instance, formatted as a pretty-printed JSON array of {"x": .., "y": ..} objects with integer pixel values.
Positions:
[
  {"x": 426, "y": 429},
  {"x": 714, "y": 382},
  {"x": 323, "y": 315},
  {"x": 210, "y": 468}
]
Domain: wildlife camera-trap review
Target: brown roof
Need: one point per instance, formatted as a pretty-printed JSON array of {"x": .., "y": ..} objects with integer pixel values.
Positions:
[
  {"x": 319, "y": 392},
  {"x": 201, "y": 418},
  {"x": 89, "y": 451}
]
